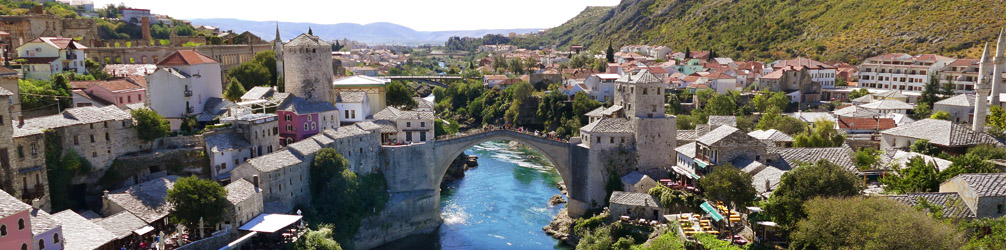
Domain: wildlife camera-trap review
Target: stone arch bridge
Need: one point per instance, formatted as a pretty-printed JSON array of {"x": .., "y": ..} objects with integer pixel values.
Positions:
[{"x": 560, "y": 153}]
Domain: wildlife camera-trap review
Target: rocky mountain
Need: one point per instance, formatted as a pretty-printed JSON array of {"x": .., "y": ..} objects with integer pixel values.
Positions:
[
  {"x": 847, "y": 30},
  {"x": 374, "y": 33}
]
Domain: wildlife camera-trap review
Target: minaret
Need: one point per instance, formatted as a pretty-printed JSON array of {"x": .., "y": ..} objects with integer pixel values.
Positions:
[
  {"x": 998, "y": 64},
  {"x": 278, "y": 47},
  {"x": 982, "y": 92}
]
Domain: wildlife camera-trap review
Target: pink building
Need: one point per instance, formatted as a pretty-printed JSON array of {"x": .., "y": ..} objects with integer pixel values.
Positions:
[
  {"x": 299, "y": 119},
  {"x": 114, "y": 92},
  {"x": 15, "y": 223}
]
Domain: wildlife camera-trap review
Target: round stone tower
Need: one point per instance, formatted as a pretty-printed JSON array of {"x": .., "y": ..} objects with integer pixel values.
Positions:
[{"x": 307, "y": 66}]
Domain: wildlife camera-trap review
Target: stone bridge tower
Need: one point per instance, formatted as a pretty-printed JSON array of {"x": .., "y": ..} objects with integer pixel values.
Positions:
[
  {"x": 307, "y": 64},
  {"x": 642, "y": 97}
]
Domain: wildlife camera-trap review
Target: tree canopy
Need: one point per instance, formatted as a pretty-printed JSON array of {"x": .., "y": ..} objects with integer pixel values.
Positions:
[
  {"x": 821, "y": 179},
  {"x": 870, "y": 223},
  {"x": 769, "y": 99},
  {"x": 823, "y": 135},
  {"x": 400, "y": 96},
  {"x": 234, "y": 90},
  {"x": 774, "y": 119},
  {"x": 321, "y": 239},
  {"x": 149, "y": 124},
  {"x": 195, "y": 198},
  {"x": 730, "y": 185},
  {"x": 341, "y": 196},
  {"x": 917, "y": 176}
]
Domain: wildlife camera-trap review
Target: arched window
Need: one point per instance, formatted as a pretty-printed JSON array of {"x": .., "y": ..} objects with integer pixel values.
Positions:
[
  {"x": 20, "y": 224},
  {"x": 55, "y": 238},
  {"x": 24, "y": 246},
  {"x": 3, "y": 230},
  {"x": 41, "y": 244}
]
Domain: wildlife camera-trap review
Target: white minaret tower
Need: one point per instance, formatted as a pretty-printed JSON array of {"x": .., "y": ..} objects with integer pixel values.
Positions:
[
  {"x": 999, "y": 64},
  {"x": 982, "y": 90},
  {"x": 278, "y": 47}
]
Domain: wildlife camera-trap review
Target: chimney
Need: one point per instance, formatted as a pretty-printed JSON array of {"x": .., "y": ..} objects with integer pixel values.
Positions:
[
  {"x": 145, "y": 28},
  {"x": 255, "y": 181},
  {"x": 20, "y": 120}
]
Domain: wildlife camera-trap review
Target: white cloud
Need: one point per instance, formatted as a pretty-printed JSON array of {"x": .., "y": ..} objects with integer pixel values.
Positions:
[{"x": 423, "y": 15}]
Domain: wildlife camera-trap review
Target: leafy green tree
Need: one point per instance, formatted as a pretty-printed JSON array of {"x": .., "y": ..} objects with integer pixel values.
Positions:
[
  {"x": 95, "y": 69},
  {"x": 251, "y": 74},
  {"x": 196, "y": 199},
  {"x": 866, "y": 158},
  {"x": 267, "y": 58},
  {"x": 974, "y": 161},
  {"x": 821, "y": 179},
  {"x": 858, "y": 93},
  {"x": 987, "y": 233},
  {"x": 823, "y": 135},
  {"x": 341, "y": 196},
  {"x": 924, "y": 147},
  {"x": 439, "y": 128},
  {"x": 774, "y": 119},
  {"x": 940, "y": 115},
  {"x": 730, "y": 185},
  {"x": 234, "y": 90},
  {"x": 921, "y": 111},
  {"x": 400, "y": 96},
  {"x": 916, "y": 176},
  {"x": 582, "y": 103},
  {"x": 870, "y": 223},
  {"x": 931, "y": 92},
  {"x": 320, "y": 239},
  {"x": 150, "y": 125},
  {"x": 765, "y": 100}
]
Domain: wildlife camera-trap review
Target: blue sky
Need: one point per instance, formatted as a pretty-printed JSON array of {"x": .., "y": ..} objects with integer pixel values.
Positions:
[{"x": 423, "y": 15}]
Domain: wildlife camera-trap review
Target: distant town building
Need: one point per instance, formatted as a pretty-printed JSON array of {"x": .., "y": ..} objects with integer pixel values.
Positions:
[
  {"x": 899, "y": 71},
  {"x": 183, "y": 86},
  {"x": 45, "y": 56}
]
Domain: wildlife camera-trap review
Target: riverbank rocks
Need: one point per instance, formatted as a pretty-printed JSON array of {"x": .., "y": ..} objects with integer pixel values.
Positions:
[
  {"x": 556, "y": 200},
  {"x": 458, "y": 167},
  {"x": 561, "y": 227},
  {"x": 562, "y": 187}
]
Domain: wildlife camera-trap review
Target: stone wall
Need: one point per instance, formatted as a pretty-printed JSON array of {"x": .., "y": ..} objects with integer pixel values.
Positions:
[
  {"x": 408, "y": 168},
  {"x": 308, "y": 72},
  {"x": 601, "y": 164},
  {"x": 213, "y": 242},
  {"x": 406, "y": 213}
]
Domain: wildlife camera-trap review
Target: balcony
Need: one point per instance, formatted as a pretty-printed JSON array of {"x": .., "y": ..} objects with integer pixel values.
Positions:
[
  {"x": 188, "y": 93},
  {"x": 71, "y": 56},
  {"x": 35, "y": 192}
]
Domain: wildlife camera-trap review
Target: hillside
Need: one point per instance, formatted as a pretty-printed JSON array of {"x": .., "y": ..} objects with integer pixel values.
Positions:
[
  {"x": 374, "y": 33},
  {"x": 847, "y": 30}
]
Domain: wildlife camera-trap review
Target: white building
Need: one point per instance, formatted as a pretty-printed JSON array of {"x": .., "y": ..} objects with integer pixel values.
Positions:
[
  {"x": 182, "y": 85},
  {"x": 135, "y": 16},
  {"x": 900, "y": 71},
  {"x": 227, "y": 150},
  {"x": 353, "y": 106},
  {"x": 960, "y": 107},
  {"x": 45, "y": 56},
  {"x": 601, "y": 86}
]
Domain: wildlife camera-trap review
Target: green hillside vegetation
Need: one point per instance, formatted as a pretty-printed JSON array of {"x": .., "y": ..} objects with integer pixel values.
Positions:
[{"x": 847, "y": 30}]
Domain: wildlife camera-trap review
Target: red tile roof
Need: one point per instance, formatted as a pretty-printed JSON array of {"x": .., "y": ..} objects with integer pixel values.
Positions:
[
  {"x": 858, "y": 123},
  {"x": 185, "y": 57},
  {"x": 805, "y": 62}
]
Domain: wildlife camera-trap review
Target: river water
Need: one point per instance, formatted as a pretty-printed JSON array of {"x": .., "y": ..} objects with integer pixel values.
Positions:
[{"x": 502, "y": 204}]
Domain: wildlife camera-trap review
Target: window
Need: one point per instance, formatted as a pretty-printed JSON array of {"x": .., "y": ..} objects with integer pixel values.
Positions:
[
  {"x": 33, "y": 151},
  {"x": 289, "y": 117},
  {"x": 41, "y": 244},
  {"x": 92, "y": 138},
  {"x": 408, "y": 124},
  {"x": 24, "y": 246},
  {"x": 611, "y": 140},
  {"x": 55, "y": 238},
  {"x": 999, "y": 208},
  {"x": 20, "y": 152},
  {"x": 275, "y": 130},
  {"x": 354, "y": 113},
  {"x": 422, "y": 124},
  {"x": 305, "y": 126},
  {"x": 75, "y": 140},
  {"x": 20, "y": 224},
  {"x": 289, "y": 127},
  {"x": 309, "y": 118},
  {"x": 107, "y": 138},
  {"x": 3, "y": 230},
  {"x": 94, "y": 154}
]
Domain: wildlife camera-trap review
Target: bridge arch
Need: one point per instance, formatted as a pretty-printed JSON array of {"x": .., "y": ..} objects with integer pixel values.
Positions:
[{"x": 557, "y": 152}]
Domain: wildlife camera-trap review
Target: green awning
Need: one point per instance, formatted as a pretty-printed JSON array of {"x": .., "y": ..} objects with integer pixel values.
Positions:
[
  {"x": 700, "y": 163},
  {"x": 712, "y": 211}
]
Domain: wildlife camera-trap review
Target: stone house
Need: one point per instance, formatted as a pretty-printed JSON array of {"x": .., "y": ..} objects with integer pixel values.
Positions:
[
  {"x": 951, "y": 203},
  {"x": 244, "y": 202},
  {"x": 300, "y": 118},
  {"x": 775, "y": 137},
  {"x": 98, "y": 134},
  {"x": 412, "y": 126},
  {"x": 31, "y": 178},
  {"x": 225, "y": 147},
  {"x": 601, "y": 87},
  {"x": 145, "y": 200},
  {"x": 948, "y": 136},
  {"x": 637, "y": 182},
  {"x": 258, "y": 93},
  {"x": 284, "y": 175},
  {"x": 9, "y": 81},
  {"x": 960, "y": 107},
  {"x": 795, "y": 81},
  {"x": 260, "y": 130},
  {"x": 725, "y": 143},
  {"x": 984, "y": 194},
  {"x": 820, "y": 73},
  {"x": 123, "y": 225},
  {"x": 634, "y": 205},
  {"x": 45, "y": 56},
  {"x": 354, "y": 106},
  {"x": 182, "y": 85},
  {"x": 888, "y": 106}
]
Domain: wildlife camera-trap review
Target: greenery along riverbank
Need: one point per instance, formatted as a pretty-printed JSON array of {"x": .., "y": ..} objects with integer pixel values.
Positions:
[
  {"x": 341, "y": 200},
  {"x": 543, "y": 106}
]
